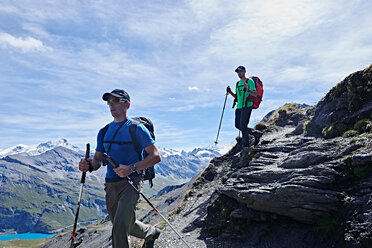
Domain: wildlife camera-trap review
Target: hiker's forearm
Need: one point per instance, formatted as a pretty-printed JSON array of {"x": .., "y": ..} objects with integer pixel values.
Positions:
[
  {"x": 233, "y": 94},
  {"x": 152, "y": 158},
  {"x": 97, "y": 161},
  {"x": 147, "y": 162},
  {"x": 96, "y": 164}
]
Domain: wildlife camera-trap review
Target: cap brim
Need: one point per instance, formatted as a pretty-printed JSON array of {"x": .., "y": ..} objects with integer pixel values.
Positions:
[{"x": 106, "y": 96}]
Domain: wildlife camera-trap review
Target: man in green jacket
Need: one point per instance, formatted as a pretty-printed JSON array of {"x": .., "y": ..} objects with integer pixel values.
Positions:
[{"x": 244, "y": 88}]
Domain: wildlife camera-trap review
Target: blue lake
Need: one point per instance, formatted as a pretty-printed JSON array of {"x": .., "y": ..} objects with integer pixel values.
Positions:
[{"x": 25, "y": 236}]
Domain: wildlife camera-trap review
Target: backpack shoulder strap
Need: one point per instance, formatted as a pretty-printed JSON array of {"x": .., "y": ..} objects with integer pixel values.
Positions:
[
  {"x": 104, "y": 131},
  {"x": 254, "y": 81},
  {"x": 246, "y": 81},
  {"x": 132, "y": 131},
  {"x": 113, "y": 138}
]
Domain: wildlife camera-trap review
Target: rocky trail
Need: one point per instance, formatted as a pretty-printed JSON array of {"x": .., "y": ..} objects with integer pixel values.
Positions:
[
  {"x": 290, "y": 180},
  {"x": 192, "y": 212}
]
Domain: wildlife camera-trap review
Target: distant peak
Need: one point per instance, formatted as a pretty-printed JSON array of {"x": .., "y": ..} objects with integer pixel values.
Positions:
[{"x": 38, "y": 149}]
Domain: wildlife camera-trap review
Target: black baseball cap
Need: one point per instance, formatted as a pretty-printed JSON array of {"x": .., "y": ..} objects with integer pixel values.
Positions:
[
  {"x": 240, "y": 68},
  {"x": 116, "y": 93}
]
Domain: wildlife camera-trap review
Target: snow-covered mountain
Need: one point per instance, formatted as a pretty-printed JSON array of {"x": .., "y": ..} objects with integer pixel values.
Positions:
[
  {"x": 184, "y": 164},
  {"x": 40, "y": 184},
  {"x": 37, "y": 149}
]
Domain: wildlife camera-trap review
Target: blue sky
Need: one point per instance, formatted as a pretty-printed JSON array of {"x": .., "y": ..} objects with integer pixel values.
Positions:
[{"x": 174, "y": 58}]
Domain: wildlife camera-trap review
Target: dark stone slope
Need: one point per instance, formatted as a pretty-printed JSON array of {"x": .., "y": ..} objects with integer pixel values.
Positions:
[{"x": 297, "y": 191}]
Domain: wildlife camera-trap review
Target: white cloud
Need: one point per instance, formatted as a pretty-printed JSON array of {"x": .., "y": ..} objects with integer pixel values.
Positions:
[
  {"x": 27, "y": 44},
  {"x": 7, "y": 9},
  {"x": 261, "y": 26},
  {"x": 36, "y": 29},
  {"x": 295, "y": 73},
  {"x": 193, "y": 88}
]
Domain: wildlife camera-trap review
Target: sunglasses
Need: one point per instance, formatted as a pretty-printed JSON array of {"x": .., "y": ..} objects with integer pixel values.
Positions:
[{"x": 116, "y": 100}]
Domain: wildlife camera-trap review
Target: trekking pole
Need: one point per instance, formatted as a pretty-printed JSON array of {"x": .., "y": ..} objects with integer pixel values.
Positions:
[
  {"x": 82, "y": 181},
  {"x": 219, "y": 128},
  {"x": 109, "y": 159}
]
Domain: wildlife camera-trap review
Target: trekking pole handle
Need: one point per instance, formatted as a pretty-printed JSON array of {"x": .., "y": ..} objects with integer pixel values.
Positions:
[
  {"x": 110, "y": 160},
  {"x": 87, "y": 153}
]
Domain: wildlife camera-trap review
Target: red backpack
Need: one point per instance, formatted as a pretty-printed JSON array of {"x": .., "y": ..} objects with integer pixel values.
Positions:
[{"x": 259, "y": 88}]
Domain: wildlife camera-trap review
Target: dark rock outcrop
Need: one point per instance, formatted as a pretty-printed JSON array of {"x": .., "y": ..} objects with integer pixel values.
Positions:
[{"x": 345, "y": 104}]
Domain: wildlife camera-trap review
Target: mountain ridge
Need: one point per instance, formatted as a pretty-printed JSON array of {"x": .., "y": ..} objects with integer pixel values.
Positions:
[
  {"x": 41, "y": 189},
  {"x": 31, "y": 150}
]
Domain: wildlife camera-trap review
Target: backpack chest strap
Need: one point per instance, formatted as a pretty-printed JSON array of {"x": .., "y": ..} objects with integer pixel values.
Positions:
[
  {"x": 118, "y": 142},
  {"x": 113, "y": 138}
]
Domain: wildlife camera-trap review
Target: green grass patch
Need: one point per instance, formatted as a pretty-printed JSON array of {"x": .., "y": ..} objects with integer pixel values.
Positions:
[
  {"x": 197, "y": 182},
  {"x": 188, "y": 194},
  {"x": 350, "y": 133},
  {"x": 161, "y": 225},
  {"x": 353, "y": 140},
  {"x": 281, "y": 113},
  {"x": 178, "y": 210},
  {"x": 347, "y": 168},
  {"x": 289, "y": 107},
  {"x": 363, "y": 125},
  {"x": 260, "y": 126},
  {"x": 347, "y": 160},
  {"x": 361, "y": 171},
  {"x": 310, "y": 128},
  {"x": 334, "y": 130}
]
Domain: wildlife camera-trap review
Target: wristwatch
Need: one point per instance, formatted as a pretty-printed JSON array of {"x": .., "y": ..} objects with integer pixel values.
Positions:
[{"x": 133, "y": 167}]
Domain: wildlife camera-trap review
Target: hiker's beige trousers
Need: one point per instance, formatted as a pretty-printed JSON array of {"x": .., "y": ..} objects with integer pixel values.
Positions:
[{"x": 121, "y": 201}]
